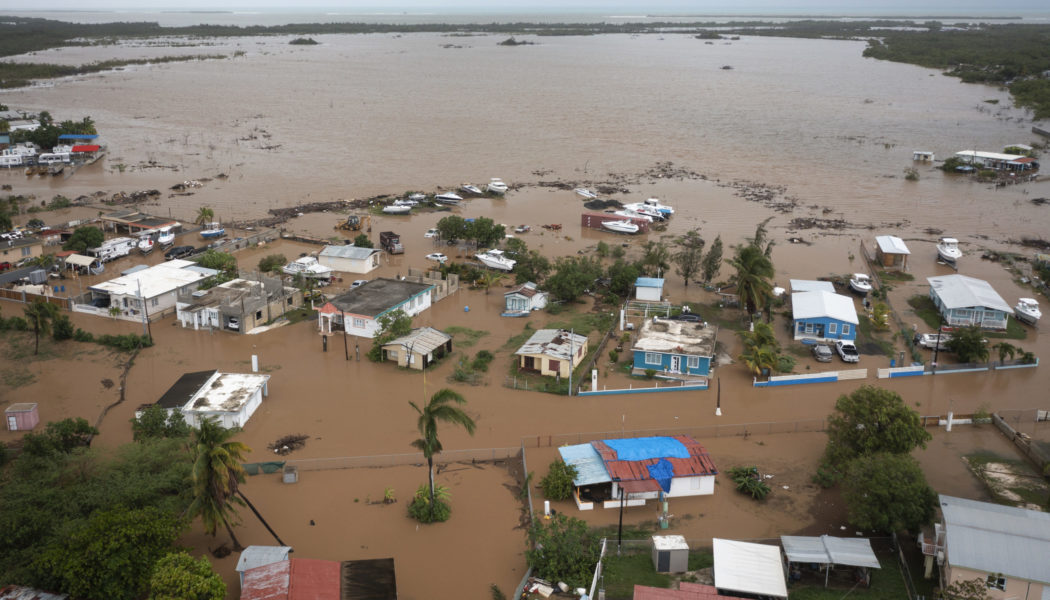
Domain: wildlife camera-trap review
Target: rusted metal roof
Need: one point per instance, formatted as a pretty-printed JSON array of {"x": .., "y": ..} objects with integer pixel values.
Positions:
[
  {"x": 698, "y": 462},
  {"x": 293, "y": 579}
]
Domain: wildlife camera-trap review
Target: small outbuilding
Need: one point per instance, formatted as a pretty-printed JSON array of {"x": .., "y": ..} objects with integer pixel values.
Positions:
[
  {"x": 649, "y": 288},
  {"x": 524, "y": 299},
  {"x": 829, "y": 552},
  {"x": 22, "y": 416},
  {"x": 228, "y": 398},
  {"x": 752, "y": 570},
  {"x": 418, "y": 349},
  {"x": 553, "y": 352},
  {"x": 823, "y": 316},
  {"x": 349, "y": 259},
  {"x": 891, "y": 252},
  {"x": 965, "y": 301},
  {"x": 307, "y": 578},
  {"x": 670, "y": 554}
]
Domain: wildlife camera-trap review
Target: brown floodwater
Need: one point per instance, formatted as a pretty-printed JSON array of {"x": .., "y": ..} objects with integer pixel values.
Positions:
[{"x": 375, "y": 114}]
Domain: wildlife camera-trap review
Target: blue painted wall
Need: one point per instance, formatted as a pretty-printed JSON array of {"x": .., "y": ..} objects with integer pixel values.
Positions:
[
  {"x": 821, "y": 327},
  {"x": 664, "y": 364}
]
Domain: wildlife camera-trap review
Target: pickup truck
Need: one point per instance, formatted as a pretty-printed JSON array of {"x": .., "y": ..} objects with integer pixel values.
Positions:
[{"x": 847, "y": 351}]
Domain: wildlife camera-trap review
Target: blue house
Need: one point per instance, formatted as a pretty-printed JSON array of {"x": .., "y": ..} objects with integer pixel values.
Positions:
[
  {"x": 823, "y": 316},
  {"x": 964, "y": 301},
  {"x": 670, "y": 347}
]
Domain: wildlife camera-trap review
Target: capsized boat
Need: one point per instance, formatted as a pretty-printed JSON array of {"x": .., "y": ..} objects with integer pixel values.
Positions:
[
  {"x": 586, "y": 193},
  {"x": 448, "y": 198},
  {"x": 623, "y": 226},
  {"x": 496, "y": 186},
  {"x": 471, "y": 189},
  {"x": 495, "y": 259},
  {"x": 948, "y": 250},
  {"x": 212, "y": 231},
  {"x": 397, "y": 209},
  {"x": 1027, "y": 311},
  {"x": 860, "y": 283},
  {"x": 308, "y": 267}
]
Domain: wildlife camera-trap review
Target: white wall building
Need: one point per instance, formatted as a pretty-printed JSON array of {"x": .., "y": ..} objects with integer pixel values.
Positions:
[
  {"x": 154, "y": 290},
  {"x": 361, "y": 307},
  {"x": 349, "y": 259},
  {"x": 228, "y": 398}
]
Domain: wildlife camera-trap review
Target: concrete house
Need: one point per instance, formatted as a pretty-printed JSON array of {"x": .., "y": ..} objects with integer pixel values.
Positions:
[
  {"x": 823, "y": 316},
  {"x": 964, "y": 301},
  {"x": 358, "y": 310},
  {"x": 228, "y": 398},
  {"x": 237, "y": 305},
  {"x": 15, "y": 250},
  {"x": 674, "y": 347},
  {"x": 418, "y": 349},
  {"x": 154, "y": 290},
  {"x": 524, "y": 299},
  {"x": 891, "y": 252},
  {"x": 553, "y": 352},
  {"x": 349, "y": 259},
  {"x": 642, "y": 468},
  {"x": 1006, "y": 547},
  {"x": 649, "y": 288}
]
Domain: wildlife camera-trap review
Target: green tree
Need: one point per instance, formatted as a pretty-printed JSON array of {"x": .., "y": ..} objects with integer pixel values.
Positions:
[
  {"x": 759, "y": 359},
  {"x": 656, "y": 258},
  {"x": 572, "y": 277},
  {"x": 155, "y": 422},
  {"x": 178, "y": 576},
  {"x": 6, "y": 224},
  {"x": 216, "y": 475},
  {"x": 622, "y": 276},
  {"x": 220, "y": 261},
  {"x": 489, "y": 279},
  {"x": 531, "y": 266},
  {"x": 62, "y": 328},
  {"x": 690, "y": 255},
  {"x": 272, "y": 263},
  {"x": 205, "y": 215},
  {"x": 392, "y": 325},
  {"x": 452, "y": 228},
  {"x": 761, "y": 239},
  {"x": 485, "y": 232},
  {"x": 59, "y": 437},
  {"x": 441, "y": 408},
  {"x": 362, "y": 241},
  {"x": 39, "y": 315},
  {"x": 602, "y": 250},
  {"x": 887, "y": 492},
  {"x": 968, "y": 344},
  {"x": 110, "y": 555},
  {"x": 752, "y": 278},
  {"x": 35, "y": 223},
  {"x": 83, "y": 238},
  {"x": 868, "y": 421},
  {"x": 558, "y": 483},
  {"x": 562, "y": 548}
]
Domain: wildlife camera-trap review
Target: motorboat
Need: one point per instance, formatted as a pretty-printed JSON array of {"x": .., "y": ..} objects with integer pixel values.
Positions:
[
  {"x": 496, "y": 259},
  {"x": 586, "y": 193},
  {"x": 308, "y": 267},
  {"x": 623, "y": 226},
  {"x": 1027, "y": 311},
  {"x": 860, "y": 283},
  {"x": 630, "y": 214},
  {"x": 397, "y": 209},
  {"x": 146, "y": 244},
  {"x": 417, "y": 197},
  {"x": 644, "y": 209},
  {"x": 496, "y": 186},
  {"x": 166, "y": 237},
  {"x": 472, "y": 189},
  {"x": 212, "y": 231},
  {"x": 948, "y": 250},
  {"x": 406, "y": 202},
  {"x": 522, "y": 229},
  {"x": 657, "y": 205},
  {"x": 448, "y": 198}
]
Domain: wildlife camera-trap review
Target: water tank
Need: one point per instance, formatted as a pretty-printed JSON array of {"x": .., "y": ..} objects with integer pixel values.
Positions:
[{"x": 38, "y": 276}]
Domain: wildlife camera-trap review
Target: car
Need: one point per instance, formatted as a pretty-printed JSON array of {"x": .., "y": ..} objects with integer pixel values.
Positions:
[
  {"x": 234, "y": 324},
  {"x": 932, "y": 340},
  {"x": 5, "y": 266},
  {"x": 431, "y": 233},
  {"x": 437, "y": 256},
  {"x": 178, "y": 252},
  {"x": 358, "y": 283},
  {"x": 25, "y": 262},
  {"x": 847, "y": 351},
  {"x": 823, "y": 353}
]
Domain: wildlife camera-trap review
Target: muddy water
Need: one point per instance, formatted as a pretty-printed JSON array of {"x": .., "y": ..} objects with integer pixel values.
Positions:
[{"x": 364, "y": 115}]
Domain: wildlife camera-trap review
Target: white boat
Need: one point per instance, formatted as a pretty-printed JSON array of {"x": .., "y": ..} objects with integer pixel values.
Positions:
[
  {"x": 470, "y": 188},
  {"x": 860, "y": 283},
  {"x": 495, "y": 259},
  {"x": 308, "y": 267},
  {"x": 644, "y": 209},
  {"x": 406, "y": 202},
  {"x": 623, "y": 226},
  {"x": 657, "y": 205},
  {"x": 496, "y": 186},
  {"x": 166, "y": 237},
  {"x": 1027, "y": 311},
  {"x": 448, "y": 198},
  {"x": 146, "y": 244},
  {"x": 417, "y": 197},
  {"x": 212, "y": 230},
  {"x": 586, "y": 193},
  {"x": 626, "y": 212},
  {"x": 397, "y": 209},
  {"x": 948, "y": 250}
]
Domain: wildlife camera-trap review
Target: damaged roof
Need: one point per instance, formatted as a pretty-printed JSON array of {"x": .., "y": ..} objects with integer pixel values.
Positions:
[
  {"x": 681, "y": 337},
  {"x": 555, "y": 343}
]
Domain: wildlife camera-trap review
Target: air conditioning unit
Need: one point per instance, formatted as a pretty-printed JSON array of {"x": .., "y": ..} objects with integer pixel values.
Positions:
[{"x": 940, "y": 557}]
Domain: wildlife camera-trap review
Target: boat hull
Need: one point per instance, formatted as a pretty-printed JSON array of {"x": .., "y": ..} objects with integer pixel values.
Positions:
[
  {"x": 620, "y": 227},
  {"x": 859, "y": 288},
  {"x": 212, "y": 234}
]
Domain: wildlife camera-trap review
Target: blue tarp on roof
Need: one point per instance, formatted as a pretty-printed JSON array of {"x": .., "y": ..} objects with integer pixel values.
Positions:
[
  {"x": 648, "y": 447},
  {"x": 77, "y": 136},
  {"x": 662, "y": 472},
  {"x": 589, "y": 466},
  {"x": 649, "y": 282}
]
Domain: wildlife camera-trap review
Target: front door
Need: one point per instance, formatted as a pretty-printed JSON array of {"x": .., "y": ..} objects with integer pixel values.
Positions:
[{"x": 676, "y": 364}]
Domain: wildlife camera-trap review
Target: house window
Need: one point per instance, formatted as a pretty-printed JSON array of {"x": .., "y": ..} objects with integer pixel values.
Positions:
[
  {"x": 155, "y": 302},
  {"x": 289, "y": 301},
  {"x": 996, "y": 581},
  {"x": 652, "y": 358},
  {"x": 258, "y": 315},
  {"x": 809, "y": 328},
  {"x": 359, "y": 323},
  {"x": 25, "y": 251},
  {"x": 845, "y": 329},
  {"x": 693, "y": 362},
  {"x": 554, "y": 365},
  {"x": 694, "y": 483},
  {"x": 391, "y": 354},
  {"x": 832, "y": 328}
]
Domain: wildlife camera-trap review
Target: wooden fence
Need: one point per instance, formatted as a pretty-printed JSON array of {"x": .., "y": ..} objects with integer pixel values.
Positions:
[{"x": 25, "y": 298}]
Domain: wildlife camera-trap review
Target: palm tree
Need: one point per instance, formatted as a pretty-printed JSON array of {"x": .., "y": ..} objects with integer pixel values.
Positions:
[
  {"x": 204, "y": 215},
  {"x": 438, "y": 409},
  {"x": 1005, "y": 349},
  {"x": 753, "y": 271},
  {"x": 489, "y": 279},
  {"x": 217, "y": 472},
  {"x": 40, "y": 314},
  {"x": 759, "y": 359}
]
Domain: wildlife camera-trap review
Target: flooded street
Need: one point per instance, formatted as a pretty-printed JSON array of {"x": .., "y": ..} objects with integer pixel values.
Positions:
[{"x": 359, "y": 116}]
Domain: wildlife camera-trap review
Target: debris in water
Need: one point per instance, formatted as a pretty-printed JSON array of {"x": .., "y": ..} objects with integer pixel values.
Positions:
[{"x": 288, "y": 444}]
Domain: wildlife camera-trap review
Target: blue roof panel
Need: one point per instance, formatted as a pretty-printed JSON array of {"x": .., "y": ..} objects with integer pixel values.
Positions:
[
  {"x": 589, "y": 466},
  {"x": 648, "y": 447},
  {"x": 77, "y": 136},
  {"x": 649, "y": 282}
]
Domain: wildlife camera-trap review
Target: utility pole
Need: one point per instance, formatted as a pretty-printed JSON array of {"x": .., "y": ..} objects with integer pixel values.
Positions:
[{"x": 572, "y": 356}]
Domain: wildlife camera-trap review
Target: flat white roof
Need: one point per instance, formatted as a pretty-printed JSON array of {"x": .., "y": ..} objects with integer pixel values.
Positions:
[
  {"x": 749, "y": 568},
  {"x": 226, "y": 392},
  {"x": 806, "y": 285},
  {"x": 156, "y": 280},
  {"x": 670, "y": 542},
  {"x": 960, "y": 291},
  {"x": 989, "y": 155},
  {"x": 811, "y": 305},
  {"x": 891, "y": 244},
  {"x": 347, "y": 251}
]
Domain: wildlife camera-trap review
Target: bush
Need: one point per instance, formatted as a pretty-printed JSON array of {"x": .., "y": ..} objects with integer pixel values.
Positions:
[
  {"x": 83, "y": 336},
  {"x": 650, "y": 373},
  {"x": 126, "y": 342},
  {"x": 419, "y": 509},
  {"x": 785, "y": 363},
  {"x": 17, "y": 324},
  {"x": 614, "y": 356},
  {"x": 62, "y": 328},
  {"x": 482, "y": 360},
  {"x": 558, "y": 485},
  {"x": 749, "y": 481}
]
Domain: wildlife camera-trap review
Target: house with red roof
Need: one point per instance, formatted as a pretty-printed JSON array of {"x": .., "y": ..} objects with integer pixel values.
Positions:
[{"x": 312, "y": 579}]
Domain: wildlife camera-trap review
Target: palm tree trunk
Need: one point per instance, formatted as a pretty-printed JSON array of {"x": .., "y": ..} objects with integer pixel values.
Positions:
[
  {"x": 260, "y": 517},
  {"x": 36, "y": 348},
  {"x": 430, "y": 463},
  {"x": 237, "y": 547}
]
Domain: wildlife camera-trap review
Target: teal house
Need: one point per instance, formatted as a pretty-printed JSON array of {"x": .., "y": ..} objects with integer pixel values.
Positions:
[
  {"x": 823, "y": 316},
  {"x": 674, "y": 348}
]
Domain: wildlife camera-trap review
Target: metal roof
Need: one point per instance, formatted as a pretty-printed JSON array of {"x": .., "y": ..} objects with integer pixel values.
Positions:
[
  {"x": 527, "y": 289},
  {"x": 997, "y": 539},
  {"x": 589, "y": 466},
  {"x": 376, "y": 297},
  {"x": 77, "y": 136},
  {"x": 347, "y": 251},
  {"x": 960, "y": 291},
  {"x": 649, "y": 282},
  {"x": 687, "y": 457},
  {"x": 806, "y": 285},
  {"x": 423, "y": 340},
  {"x": 680, "y": 337},
  {"x": 891, "y": 244},
  {"x": 854, "y": 552},
  {"x": 293, "y": 579},
  {"x": 749, "y": 568},
  {"x": 80, "y": 260},
  {"x": 258, "y": 556},
  {"x": 972, "y": 154},
  {"x": 811, "y": 305},
  {"x": 156, "y": 280},
  {"x": 553, "y": 342}
]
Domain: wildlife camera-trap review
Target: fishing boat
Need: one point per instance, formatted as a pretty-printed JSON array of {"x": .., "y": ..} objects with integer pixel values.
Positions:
[
  {"x": 406, "y": 202},
  {"x": 1027, "y": 311},
  {"x": 166, "y": 237},
  {"x": 308, "y": 267},
  {"x": 212, "y": 231},
  {"x": 146, "y": 244},
  {"x": 496, "y": 186},
  {"x": 623, "y": 226},
  {"x": 449, "y": 198},
  {"x": 659, "y": 206},
  {"x": 586, "y": 193},
  {"x": 472, "y": 189},
  {"x": 631, "y": 214},
  {"x": 397, "y": 209},
  {"x": 860, "y": 283},
  {"x": 495, "y": 259},
  {"x": 948, "y": 250}
]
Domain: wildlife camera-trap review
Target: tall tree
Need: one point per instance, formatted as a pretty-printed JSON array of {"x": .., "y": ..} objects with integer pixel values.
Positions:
[
  {"x": 690, "y": 255},
  {"x": 752, "y": 278},
  {"x": 656, "y": 258},
  {"x": 204, "y": 215},
  {"x": 439, "y": 409},
  {"x": 887, "y": 492},
  {"x": 759, "y": 359},
  {"x": 83, "y": 238},
  {"x": 573, "y": 275},
  {"x": 39, "y": 315},
  {"x": 761, "y": 239},
  {"x": 216, "y": 475},
  {"x": 272, "y": 263},
  {"x": 1005, "y": 349},
  {"x": 871, "y": 420}
]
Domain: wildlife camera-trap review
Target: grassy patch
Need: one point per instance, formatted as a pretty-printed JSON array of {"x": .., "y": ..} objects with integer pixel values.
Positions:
[
  {"x": 886, "y": 583},
  {"x": 896, "y": 276},
  {"x": 516, "y": 341},
  {"x": 867, "y": 334},
  {"x": 926, "y": 310},
  {"x": 732, "y": 319},
  {"x": 1014, "y": 331},
  {"x": 634, "y": 565},
  {"x": 465, "y": 337},
  {"x": 584, "y": 323},
  {"x": 300, "y": 314},
  {"x": 17, "y": 377},
  {"x": 1010, "y": 480}
]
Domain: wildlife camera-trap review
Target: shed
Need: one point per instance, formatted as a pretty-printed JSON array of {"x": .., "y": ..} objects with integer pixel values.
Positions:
[
  {"x": 418, "y": 349},
  {"x": 670, "y": 554},
  {"x": 828, "y": 551},
  {"x": 891, "y": 252},
  {"x": 649, "y": 288},
  {"x": 749, "y": 568},
  {"x": 22, "y": 416},
  {"x": 259, "y": 556},
  {"x": 349, "y": 259}
]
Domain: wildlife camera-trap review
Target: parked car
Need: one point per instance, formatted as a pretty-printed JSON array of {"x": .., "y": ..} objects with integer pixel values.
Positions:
[
  {"x": 358, "y": 283},
  {"x": 25, "y": 262},
  {"x": 431, "y": 233},
  {"x": 178, "y": 252},
  {"x": 823, "y": 353},
  {"x": 437, "y": 256},
  {"x": 234, "y": 324},
  {"x": 930, "y": 340},
  {"x": 5, "y": 266},
  {"x": 847, "y": 351}
]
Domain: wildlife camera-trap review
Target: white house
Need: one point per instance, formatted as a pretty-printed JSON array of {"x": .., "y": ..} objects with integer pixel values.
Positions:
[
  {"x": 967, "y": 301},
  {"x": 349, "y": 259},
  {"x": 154, "y": 290},
  {"x": 228, "y": 398},
  {"x": 649, "y": 288},
  {"x": 523, "y": 299},
  {"x": 359, "y": 310}
]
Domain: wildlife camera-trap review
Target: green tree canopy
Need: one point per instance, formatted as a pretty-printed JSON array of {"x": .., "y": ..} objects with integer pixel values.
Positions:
[
  {"x": 887, "y": 492},
  {"x": 486, "y": 232},
  {"x": 83, "y": 238},
  {"x": 872, "y": 420},
  {"x": 968, "y": 344},
  {"x": 178, "y": 576},
  {"x": 362, "y": 241},
  {"x": 531, "y": 265},
  {"x": 217, "y": 473},
  {"x": 452, "y": 228},
  {"x": 220, "y": 261},
  {"x": 155, "y": 422},
  {"x": 39, "y": 315},
  {"x": 690, "y": 255},
  {"x": 440, "y": 409},
  {"x": 712, "y": 262},
  {"x": 558, "y": 483},
  {"x": 272, "y": 263},
  {"x": 622, "y": 276},
  {"x": 573, "y": 275},
  {"x": 656, "y": 258},
  {"x": 392, "y": 325},
  {"x": 562, "y": 549},
  {"x": 205, "y": 215},
  {"x": 60, "y": 437},
  {"x": 752, "y": 278}
]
